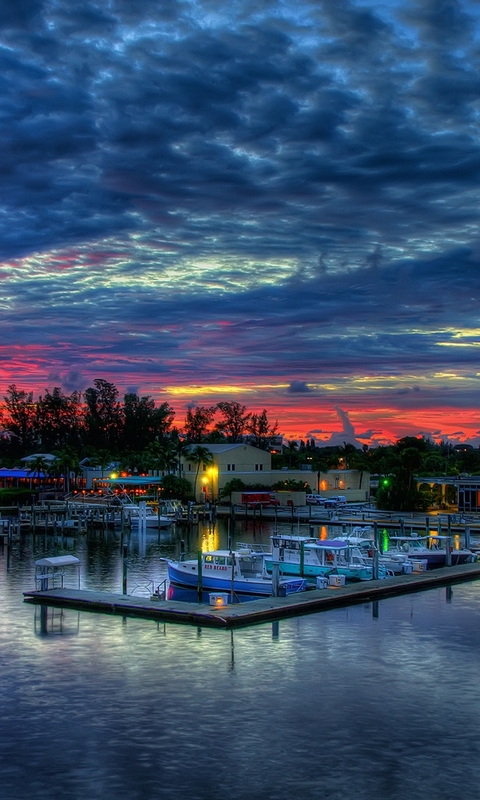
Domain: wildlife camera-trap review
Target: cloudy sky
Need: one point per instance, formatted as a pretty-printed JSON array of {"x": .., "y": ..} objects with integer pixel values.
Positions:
[{"x": 274, "y": 202}]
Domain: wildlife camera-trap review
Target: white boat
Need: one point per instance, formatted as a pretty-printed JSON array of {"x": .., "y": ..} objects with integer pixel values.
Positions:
[
  {"x": 304, "y": 556},
  {"x": 362, "y": 536},
  {"x": 428, "y": 548},
  {"x": 242, "y": 571},
  {"x": 132, "y": 512}
]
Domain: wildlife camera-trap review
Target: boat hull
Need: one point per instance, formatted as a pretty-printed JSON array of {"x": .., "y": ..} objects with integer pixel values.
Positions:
[{"x": 186, "y": 574}]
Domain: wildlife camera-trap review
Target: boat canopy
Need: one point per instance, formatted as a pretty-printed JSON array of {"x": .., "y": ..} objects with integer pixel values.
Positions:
[
  {"x": 131, "y": 480},
  {"x": 57, "y": 561}
]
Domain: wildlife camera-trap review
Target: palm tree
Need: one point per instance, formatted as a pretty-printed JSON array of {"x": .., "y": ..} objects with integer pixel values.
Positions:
[
  {"x": 292, "y": 450},
  {"x": 199, "y": 456},
  {"x": 66, "y": 462},
  {"x": 39, "y": 467}
]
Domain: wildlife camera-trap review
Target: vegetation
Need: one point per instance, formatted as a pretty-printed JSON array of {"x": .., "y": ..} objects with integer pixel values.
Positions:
[{"x": 99, "y": 425}]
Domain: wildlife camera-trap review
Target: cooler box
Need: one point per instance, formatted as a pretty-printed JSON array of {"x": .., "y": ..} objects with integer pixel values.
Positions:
[
  {"x": 336, "y": 580},
  {"x": 419, "y": 565},
  {"x": 218, "y": 599},
  {"x": 407, "y": 567},
  {"x": 322, "y": 582}
]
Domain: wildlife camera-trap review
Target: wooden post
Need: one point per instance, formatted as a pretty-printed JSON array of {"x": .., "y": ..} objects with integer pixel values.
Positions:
[
  {"x": 467, "y": 537},
  {"x": 427, "y": 526},
  {"x": 375, "y": 564},
  {"x": 124, "y": 584},
  {"x": 275, "y": 578},
  {"x": 448, "y": 551},
  {"x": 232, "y": 586},
  {"x": 375, "y": 534},
  {"x": 199, "y": 576}
]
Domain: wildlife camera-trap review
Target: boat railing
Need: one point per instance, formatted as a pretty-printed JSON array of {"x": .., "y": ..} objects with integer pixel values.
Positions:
[{"x": 254, "y": 548}]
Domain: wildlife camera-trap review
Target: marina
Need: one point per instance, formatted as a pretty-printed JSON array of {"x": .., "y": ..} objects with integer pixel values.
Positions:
[
  {"x": 258, "y": 611},
  {"x": 146, "y": 681}
]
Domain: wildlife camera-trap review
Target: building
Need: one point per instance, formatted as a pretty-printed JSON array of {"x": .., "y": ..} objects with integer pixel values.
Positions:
[
  {"x": 254, "y": 466},
  {"x": 249, "y": 464}
]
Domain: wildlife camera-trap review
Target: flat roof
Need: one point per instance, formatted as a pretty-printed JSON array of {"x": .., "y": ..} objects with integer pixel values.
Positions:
[
  {"x": 132, "y": 480},
  {"x": 57, "y": 561}
]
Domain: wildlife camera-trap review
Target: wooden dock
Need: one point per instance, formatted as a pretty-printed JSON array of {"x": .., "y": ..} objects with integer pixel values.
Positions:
[{"x": 255, "y": 611}]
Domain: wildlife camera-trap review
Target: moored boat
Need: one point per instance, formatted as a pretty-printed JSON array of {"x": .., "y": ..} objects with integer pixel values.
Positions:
[
  {"x": 304, "y": 556},
  {"x": 431, "y": 549},
  {"x": 241, "y": 571}
]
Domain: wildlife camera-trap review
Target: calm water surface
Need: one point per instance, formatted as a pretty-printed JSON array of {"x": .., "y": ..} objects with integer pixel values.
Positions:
[{"x": 374, "y": 701}]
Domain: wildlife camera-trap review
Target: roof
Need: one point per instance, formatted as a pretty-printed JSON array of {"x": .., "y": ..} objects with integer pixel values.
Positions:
[
  {"x": 46, "y": 456},
  {"x": 20, "y": 473},
  {"x": 133, "y": 480},
  {"x": 57, "y": 561},
  {"x": 222, "y": 448}
]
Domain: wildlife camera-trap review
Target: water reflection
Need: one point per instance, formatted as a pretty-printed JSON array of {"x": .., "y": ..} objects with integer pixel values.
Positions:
[{"x": 355, "y": 702}]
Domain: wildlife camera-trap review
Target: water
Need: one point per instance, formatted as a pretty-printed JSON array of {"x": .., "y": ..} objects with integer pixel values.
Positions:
[{"x": 373, "y": 701}]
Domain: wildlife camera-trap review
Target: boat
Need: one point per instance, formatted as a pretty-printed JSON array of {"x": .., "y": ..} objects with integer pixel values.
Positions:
[
  {"x": 305, "y": 556},
  {"x": 152, "y": 519},
  {"x": 241, "y": 570},
  {"x": 431, "y": 549},
  {"x": 362, "y": 536}
]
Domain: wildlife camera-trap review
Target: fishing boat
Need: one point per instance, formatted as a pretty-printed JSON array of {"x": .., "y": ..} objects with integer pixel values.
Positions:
[
  {"x": 305, "y": 556},
  {"x": 362, "y": 536},
  {"x": 432, "y": 549},
  {"x": 241, "y": 570}
]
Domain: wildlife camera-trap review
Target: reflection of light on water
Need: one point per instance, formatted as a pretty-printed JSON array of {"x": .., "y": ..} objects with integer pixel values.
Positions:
[{"x": 210, "y": 539}]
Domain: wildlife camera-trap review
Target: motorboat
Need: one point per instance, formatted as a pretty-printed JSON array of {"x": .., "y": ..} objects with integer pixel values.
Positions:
[
  {"x": 241, "y": 570},
  {"x": 431, "y": 549},
  {"x": 305, "y": 556},
  {"x": 133, "y": 513},
  {"x": 362, "y": 536}
]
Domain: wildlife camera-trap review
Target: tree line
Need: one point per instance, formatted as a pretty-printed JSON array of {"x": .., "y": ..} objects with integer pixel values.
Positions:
[
  {"x": 98, "y": 423},
  {"x": 141, "y": 435}
]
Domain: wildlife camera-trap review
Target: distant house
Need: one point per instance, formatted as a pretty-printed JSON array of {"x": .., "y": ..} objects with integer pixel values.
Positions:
[
  {"x": 243, "y": 461},
  {"x": 254, "y": 466}
]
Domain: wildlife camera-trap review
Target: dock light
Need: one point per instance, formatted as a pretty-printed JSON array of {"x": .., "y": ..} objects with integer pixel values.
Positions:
[
  {"x": 219, "y": 599},
  {"x": 113, "y": 476}
]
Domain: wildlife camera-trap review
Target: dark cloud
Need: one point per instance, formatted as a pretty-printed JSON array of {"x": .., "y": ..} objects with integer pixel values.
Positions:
[
  {"x": 306, "y": 173},
  {"x": 298, "y": 387}
]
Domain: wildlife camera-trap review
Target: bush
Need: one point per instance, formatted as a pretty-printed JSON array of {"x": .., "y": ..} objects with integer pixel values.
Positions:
[{"x": 13, "y": 496}]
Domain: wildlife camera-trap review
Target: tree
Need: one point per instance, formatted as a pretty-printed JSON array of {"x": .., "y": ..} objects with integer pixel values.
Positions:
[
  {"x": 39, "y": 467},
  {"x": 234, "y": 422},
  {"x": 58, "y": 419},
  {"x": 103, "y": 418},
  {"x": 261, "y": 430},
  {"x": 143, "y": 422},
  {"x": 201, "y": 456},
  {"x": 176, "y": 488},
  {"x": 197, "y": 423},
  {"x": 66, "y": 461},
  {"x": 292, "y": 450},
  {"x": 21, "y": 416},
  {"x": 235, "y": 485}
]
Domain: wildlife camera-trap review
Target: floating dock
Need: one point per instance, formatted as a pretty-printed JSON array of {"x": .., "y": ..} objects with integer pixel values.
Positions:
[{"x": 255, "y": 611}]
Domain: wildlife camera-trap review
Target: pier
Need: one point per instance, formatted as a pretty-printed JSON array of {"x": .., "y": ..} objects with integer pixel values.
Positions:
[{"x": 255, "y": 611}]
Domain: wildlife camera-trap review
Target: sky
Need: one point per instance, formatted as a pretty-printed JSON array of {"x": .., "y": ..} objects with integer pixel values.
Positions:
[{"x": 273, "y": 203}]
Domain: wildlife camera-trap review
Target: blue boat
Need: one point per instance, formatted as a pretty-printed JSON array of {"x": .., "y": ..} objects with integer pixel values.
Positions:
[{"x": 242, "y": 571}]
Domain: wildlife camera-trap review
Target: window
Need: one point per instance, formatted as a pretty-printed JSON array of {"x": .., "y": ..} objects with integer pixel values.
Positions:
[
  {"x": 230, "y": 467},
  {"x": 258, "y": 467}
]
